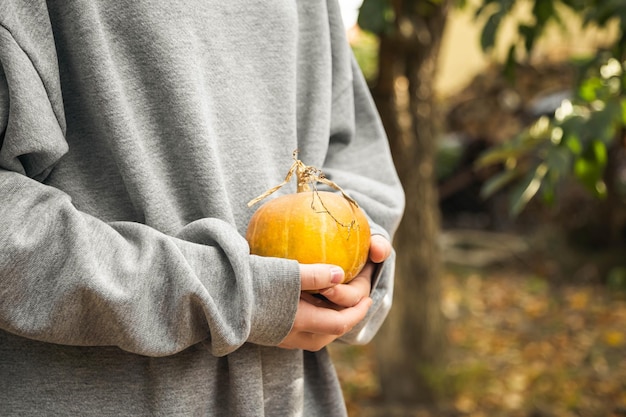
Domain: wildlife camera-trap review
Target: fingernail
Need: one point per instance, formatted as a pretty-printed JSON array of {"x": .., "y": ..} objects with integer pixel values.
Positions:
[{"x": 336, "y": 275}]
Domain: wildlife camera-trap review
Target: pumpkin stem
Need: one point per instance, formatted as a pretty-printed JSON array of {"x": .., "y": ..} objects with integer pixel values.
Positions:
[{"x": 306, "y": 176}]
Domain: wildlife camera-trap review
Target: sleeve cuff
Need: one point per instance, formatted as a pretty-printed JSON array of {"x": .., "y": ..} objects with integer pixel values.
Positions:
[{"x": 277, "y": 293}]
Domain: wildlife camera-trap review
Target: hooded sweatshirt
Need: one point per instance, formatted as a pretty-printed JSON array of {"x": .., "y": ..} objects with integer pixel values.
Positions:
[{"x": 132, "y": 135}]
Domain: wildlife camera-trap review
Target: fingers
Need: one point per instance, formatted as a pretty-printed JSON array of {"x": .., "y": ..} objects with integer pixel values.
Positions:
[
  {"x": 319, "y": 276},
  {"x": 316, "y": 327},
  {"x": 380, "y": 249},
  {"x": 333, "y": 322},
  {"x": 348, "y": 295}
]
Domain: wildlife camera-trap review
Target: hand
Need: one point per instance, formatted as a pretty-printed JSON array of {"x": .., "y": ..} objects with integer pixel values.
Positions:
[
  {"x": 317, "y": 321},
  {"x": 320, "y": 321}
]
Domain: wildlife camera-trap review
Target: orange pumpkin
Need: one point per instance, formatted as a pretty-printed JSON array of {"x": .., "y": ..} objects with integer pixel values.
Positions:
[{"x": 311, "y": 226}]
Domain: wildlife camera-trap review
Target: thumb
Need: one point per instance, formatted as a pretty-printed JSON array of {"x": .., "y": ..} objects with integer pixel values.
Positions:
[
  {"x": 380, "y": 249},
  {"x": 319, "y": 276}
]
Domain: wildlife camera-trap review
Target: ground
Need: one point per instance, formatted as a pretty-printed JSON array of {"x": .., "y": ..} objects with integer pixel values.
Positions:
[{"x": 522, "y": 343}]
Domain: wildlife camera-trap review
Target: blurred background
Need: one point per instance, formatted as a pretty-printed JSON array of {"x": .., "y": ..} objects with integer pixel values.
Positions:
[{"x": 506, "y": 120}]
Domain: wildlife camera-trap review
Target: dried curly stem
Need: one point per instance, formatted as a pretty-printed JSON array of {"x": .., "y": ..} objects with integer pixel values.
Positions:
[{"x": 307, "y": 177}]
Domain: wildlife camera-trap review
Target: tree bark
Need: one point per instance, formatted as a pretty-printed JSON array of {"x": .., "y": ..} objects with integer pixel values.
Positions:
[{"x": 412, "y": 342}]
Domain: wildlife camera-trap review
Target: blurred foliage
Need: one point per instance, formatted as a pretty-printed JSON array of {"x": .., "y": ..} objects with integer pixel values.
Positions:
[
  {"x": 576, "y": 140},
  {"x": 379, "y": 16}
]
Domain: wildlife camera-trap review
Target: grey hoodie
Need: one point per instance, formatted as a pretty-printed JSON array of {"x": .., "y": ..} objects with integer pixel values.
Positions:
[{"x": 132, "y": 135}]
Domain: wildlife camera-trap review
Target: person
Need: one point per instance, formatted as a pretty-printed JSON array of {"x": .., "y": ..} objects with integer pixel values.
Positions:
[{"x": 132, "y": 136}]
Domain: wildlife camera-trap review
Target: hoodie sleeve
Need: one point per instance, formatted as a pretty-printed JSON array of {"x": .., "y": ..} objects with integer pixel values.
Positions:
[
  {"x": 67, "y": 277},
  {"x": 359, "y": 159}
]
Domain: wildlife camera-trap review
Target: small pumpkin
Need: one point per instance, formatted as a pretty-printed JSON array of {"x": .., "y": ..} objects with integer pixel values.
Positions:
[{"x": 311, "y": 226}]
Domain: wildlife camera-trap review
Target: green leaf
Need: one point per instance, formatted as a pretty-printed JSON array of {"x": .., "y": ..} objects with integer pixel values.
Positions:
[
  {"x": 599, "y": 152},
  {"x": 559, "y": 159},
  {"x": 589, "y": 174},
  {"x": 589, "y": 168},
  {"x": 519, "y": 147},
  {"x": 527, "y": 189},
  {"x": 548, "y": 194},
  {"x": 488, "y": 35},
  {"x": 498, "y": 182},
  {"x": 572, "y": 142},
  {"x": 510, "y": 64},
  {"x": 543, "y": 10},
  {"x": 529, "y": 34},
  {"x": 376, "y": 16},
  {"x": 602, "y": 123},
  {"x": 498, "y": 155},
  {"x": 588, "y": 89}
]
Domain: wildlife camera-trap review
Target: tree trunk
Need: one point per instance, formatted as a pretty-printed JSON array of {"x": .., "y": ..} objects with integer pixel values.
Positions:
[{"x": 412, "y": 342}]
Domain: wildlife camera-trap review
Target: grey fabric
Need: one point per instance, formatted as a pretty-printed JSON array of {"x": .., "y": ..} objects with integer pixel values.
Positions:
[{"x": 132, "y": 135}]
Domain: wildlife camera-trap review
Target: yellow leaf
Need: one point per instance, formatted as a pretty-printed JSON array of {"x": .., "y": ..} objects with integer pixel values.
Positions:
[
  {"x": 579, "y": 300},
  {"x": 614, "y": 338}
]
